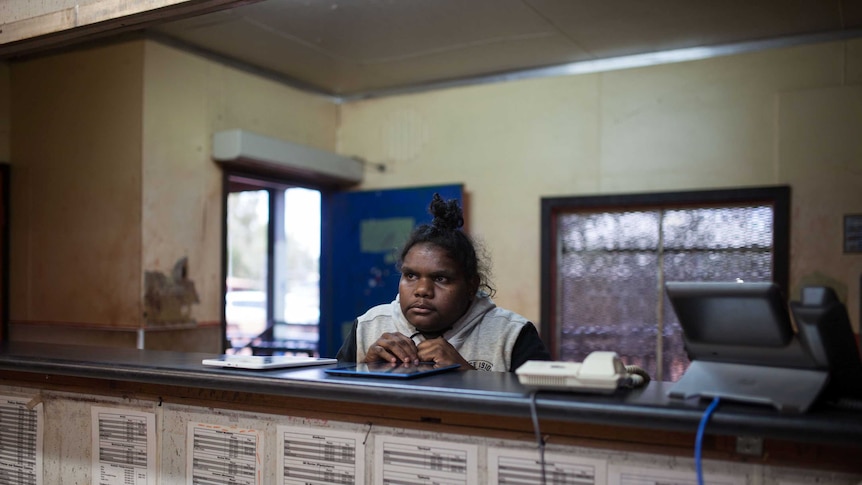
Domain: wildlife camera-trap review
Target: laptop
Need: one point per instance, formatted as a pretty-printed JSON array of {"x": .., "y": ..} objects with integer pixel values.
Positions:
[{"x": 264, "y": 362}]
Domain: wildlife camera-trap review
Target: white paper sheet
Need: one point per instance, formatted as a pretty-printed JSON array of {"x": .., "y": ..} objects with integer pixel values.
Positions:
[
  {"x": 629, "y": 475},
  {"x": 124, "y": 447},
  {"x": 417, "y": 461},
  {"x": 224, "y": 455},
  {"x": 525, "y": 467},
  {"x": 320, "y": 456},
  {"x": 21, "y": 430}
]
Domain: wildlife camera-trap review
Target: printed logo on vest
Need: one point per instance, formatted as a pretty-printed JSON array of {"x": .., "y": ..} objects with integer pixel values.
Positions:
[{"x": 481, "y": 365}]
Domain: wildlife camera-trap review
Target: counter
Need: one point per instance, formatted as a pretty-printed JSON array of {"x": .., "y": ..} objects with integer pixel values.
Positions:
[{"x": 483, "y": 403}]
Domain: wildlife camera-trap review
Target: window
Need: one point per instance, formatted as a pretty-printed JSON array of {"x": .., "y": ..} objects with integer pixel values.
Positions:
[
  {"x": 272, "y": 260},
  {"x": 605, "y": 260}
]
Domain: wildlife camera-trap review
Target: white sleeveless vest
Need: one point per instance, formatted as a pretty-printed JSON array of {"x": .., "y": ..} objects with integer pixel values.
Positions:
[{"x": 484, "y": 336}]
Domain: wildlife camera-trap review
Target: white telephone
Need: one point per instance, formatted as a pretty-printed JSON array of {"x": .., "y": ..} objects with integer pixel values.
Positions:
[{"x": 600, "y": 372}]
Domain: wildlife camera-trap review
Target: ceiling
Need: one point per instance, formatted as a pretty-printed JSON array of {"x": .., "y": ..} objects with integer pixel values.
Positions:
[{"x": 361, "y": 48}]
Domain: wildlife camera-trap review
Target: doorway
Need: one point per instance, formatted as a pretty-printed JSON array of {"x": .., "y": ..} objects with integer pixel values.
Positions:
[{"x": 272, "y": 267}]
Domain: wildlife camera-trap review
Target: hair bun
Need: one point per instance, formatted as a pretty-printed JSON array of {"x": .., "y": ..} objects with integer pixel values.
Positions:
[{"x": 447, "y": 213}]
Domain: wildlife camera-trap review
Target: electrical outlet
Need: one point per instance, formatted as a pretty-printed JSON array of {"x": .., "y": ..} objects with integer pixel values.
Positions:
[{"x": 749, "y": 445}]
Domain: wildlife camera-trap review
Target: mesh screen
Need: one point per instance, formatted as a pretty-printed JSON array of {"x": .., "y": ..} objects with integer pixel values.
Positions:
[
  {"x": 612, "y": 267},
  {"x": 718, "y": 228}
]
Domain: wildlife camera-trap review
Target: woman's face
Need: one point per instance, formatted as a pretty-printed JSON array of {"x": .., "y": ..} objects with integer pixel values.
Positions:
[{"x": 433, "y": 290}]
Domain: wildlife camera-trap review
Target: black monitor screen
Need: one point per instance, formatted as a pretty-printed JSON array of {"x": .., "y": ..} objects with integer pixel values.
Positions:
[
  {"x": 743, "y": 323},
  {"x": 752, "y": 314}
]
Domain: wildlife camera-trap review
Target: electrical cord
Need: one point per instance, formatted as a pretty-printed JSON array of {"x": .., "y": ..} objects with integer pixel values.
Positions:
[
  {"x": 637, "y": 377},
  {"x": 539, "y": 441},
  {"x": 698, "y": 444},
  {"x": 853, "y": 404}
]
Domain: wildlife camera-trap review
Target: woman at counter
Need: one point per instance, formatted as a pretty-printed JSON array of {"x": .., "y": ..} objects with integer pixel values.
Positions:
[{"x": 443, "y": 312}]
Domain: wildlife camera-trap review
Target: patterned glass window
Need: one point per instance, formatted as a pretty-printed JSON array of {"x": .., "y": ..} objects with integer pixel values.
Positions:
[{"x": 610, "y": 266}]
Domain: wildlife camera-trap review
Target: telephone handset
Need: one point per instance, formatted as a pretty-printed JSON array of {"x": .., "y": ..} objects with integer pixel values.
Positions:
[{"x": 600, "y": 372}]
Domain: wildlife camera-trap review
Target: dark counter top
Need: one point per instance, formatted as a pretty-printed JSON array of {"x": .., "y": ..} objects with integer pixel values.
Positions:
[{"x": 487, "y": 393}]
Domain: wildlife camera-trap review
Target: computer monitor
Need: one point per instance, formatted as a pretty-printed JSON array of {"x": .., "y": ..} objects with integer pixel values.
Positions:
[
  {"x": 743, "y": 347},
  {"x": 742, "y": 323}
]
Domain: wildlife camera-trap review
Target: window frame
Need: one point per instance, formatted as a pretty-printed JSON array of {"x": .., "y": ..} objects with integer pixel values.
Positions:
[
  {"x": 5, "y": 198},
  {"x": 235, "y": 179},
  {"x": 551, "y": 207}
]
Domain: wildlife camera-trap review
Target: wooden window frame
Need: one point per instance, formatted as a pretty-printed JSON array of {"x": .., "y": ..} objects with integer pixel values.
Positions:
[{"x": 552, "y": 207}]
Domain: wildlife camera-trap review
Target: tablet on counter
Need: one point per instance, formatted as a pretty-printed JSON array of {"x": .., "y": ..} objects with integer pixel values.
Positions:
[
  {"x": 386, "y": 369},
  {"x": 263, "y": 362}
]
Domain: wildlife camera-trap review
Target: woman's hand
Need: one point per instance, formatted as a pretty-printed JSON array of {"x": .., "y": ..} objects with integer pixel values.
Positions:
[
  {"x": 441, "y": 352},
  {"x": 393, "y": 347}
]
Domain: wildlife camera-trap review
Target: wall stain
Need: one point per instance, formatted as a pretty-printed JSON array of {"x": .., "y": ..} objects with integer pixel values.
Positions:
[{"x": 168, "y": 298}]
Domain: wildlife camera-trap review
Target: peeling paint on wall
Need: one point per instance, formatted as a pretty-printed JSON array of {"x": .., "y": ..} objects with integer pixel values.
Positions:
[{"x": 168, "y": 298}]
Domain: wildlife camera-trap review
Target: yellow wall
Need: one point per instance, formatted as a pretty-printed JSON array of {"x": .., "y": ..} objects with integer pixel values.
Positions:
[
  {"x": 113, "y": 177},
  {"x": 76, "y": 187},
  {"x": 789, "y": 116},
  {"x": 186, "y": 100},
  {"x": 112, "y": 174}
]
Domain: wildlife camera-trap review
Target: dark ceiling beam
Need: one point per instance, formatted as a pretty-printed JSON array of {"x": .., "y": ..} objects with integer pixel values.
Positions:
[{"x": 52, "y": 30}]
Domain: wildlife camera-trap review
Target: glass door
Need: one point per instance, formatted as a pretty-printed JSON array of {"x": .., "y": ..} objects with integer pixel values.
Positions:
[{"x": 272, "y": 297}]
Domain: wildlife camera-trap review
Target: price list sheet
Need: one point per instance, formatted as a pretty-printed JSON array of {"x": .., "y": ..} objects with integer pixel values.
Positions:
[
  {"x": 320, "y": 456},
  {"x": 124, "y": 447},
  {"x": 409, "y": 461},
  {"x": 224, "y": 455},
  {"x": 625, "y": 475},
  {"x": 525, "y": 467},
  {"x": 20, "y": 441}
]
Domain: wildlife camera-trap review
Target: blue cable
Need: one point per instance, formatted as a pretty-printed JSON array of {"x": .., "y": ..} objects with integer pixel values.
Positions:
[{"x": 698, "y": 443}]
